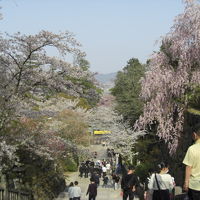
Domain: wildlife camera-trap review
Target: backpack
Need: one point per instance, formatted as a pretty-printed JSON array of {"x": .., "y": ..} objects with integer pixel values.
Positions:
[
  {"x": 128, "y": 185},
  {"x": 139, "y": 191}
]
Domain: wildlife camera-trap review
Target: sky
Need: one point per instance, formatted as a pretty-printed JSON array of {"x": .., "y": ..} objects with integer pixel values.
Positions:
[{"x": 111, "y": 31}]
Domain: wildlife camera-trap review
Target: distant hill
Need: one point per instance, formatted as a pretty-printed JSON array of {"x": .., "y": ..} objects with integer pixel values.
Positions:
[{"x": 106, "y": 78}]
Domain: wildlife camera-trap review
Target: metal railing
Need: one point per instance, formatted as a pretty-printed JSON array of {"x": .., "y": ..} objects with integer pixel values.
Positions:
[
  {"x": 1, "y": 194},
  {"x": 182, "y": 196},
  {"x": 14, "y": 195}
]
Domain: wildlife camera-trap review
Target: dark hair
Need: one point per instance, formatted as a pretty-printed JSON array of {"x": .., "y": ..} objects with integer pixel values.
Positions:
[
  {"x": 131, "y": 167},
  {"x": 196, "y": 129},
  {"x": 92, "y": 180},
  {"x": 162, "y": 165},
  {"x": 150, "y": 171},
  {"x": 71, "y": 184},
  {"x": 76, "y": 183}
]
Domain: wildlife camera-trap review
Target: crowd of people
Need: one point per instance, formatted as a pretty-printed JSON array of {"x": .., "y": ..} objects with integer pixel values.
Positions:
[{"x": 100, "y": 170}]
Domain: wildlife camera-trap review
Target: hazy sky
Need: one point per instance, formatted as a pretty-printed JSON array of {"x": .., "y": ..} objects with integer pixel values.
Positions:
[{"x": 111, "y": 31}]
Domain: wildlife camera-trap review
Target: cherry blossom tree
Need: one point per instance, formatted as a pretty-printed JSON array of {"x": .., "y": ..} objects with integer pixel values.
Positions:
[
  {"x": 122, "y": 137},
  {"x": 8, "y": 157},
  {"x": 174, "y": 72},
  {"x": 33, "y": 115},
  {"x": 58, "y": 127},
  {"x": 28, "y": 72}
]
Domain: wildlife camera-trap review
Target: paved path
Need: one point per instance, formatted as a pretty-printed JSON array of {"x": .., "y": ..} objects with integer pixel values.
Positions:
[{"x": 103, "y": 193}]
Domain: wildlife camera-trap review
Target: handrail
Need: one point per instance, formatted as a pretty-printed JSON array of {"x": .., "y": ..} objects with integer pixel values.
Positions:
[
  {"x": 181, "y": 196},
  {"x": 1, "y": 193},
  {"x": 12, "y": 194}
]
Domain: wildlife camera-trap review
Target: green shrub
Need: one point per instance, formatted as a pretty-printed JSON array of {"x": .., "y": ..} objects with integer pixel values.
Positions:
[{"x": 69, "y": 165}]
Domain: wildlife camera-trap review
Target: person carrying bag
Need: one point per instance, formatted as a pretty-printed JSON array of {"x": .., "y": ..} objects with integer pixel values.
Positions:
[{"x": 161, "y": 183}]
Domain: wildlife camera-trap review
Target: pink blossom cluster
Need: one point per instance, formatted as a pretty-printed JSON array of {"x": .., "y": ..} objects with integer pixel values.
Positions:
[{"x": 173, "y": 71}]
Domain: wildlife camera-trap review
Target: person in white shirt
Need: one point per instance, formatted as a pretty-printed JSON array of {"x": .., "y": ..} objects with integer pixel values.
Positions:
[
  {"x": 70, "y": 191},
  {"x": 161, "y": 183},
  {"x": 104, "y": 170},
  {"x": 76, "y": 191},
  {"x": 108, "y": 166}
]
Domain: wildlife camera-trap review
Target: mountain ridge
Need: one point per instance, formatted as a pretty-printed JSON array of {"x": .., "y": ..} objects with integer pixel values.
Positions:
[{"x": 106, "y": 78}]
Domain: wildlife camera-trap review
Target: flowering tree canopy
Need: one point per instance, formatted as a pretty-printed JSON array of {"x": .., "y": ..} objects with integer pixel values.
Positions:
[
  {"x": 35, "y": 87},
  {"x": 173, "y": 73},
  {"x": 27, "y": 71},
  {"x": 122, "y": 137}
]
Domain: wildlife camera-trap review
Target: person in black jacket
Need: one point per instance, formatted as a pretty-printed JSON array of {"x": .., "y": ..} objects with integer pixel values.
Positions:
[
  {"x": 87, "y": 170},
  {"x": 81, "y": 170},
  {"x": 105, "y": 181},
  {"x": 92, "y": 190},
  {"x": 96, "y": 178},
  {"x": 128, "y": 184}
]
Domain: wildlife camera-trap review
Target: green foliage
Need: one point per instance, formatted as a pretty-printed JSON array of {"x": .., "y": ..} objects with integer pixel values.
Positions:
[
  {"x": 69, "y": 165},
  {"x": 83, "y": 103},
  {"x": 66, "y": 96},
  {"x": 142, "y": 170},
  {"x": 165, "y": 48},
  {"x": 74, "y": 129},
  {"x": 83, "y": 63},
  {"x": 193, "y": 97},
  {"x": 127, "y": 90},
  {"x": 150, "y": 151},
  {"x": 90, "y": 91},
  {"x": 40, "y": 175}
]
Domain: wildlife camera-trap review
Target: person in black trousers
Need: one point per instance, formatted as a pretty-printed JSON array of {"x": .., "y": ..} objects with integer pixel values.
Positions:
[
  {"x": 92, "y": 190},
  {"x": 81, "y": 170},
  {"x": 87, "y": 170},
  {"x": 96, "y": 179},
  {"x": 128, "y": 184}
]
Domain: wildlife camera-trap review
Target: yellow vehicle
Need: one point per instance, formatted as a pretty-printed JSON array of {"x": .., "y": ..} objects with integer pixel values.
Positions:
[{"x": 101, "y": 132}]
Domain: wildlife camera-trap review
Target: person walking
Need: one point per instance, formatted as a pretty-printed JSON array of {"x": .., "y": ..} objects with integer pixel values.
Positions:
[
  {"x": 87, "y": 170},
  {"x": 161, "y": 183},
  {"x": 104, "y": 170},
  {"x": 128, "y": 184},
  {"x": 105, "y": 181},
  {"x": 70, "y": 191},
  {"x": 92, "y": 190},
  {"x": 81, "y": 170},
  {"x": 108, "y": 167},
  {"x": 76, "y": 191},
  {"x": 116, "y": 182},
  {"x": 96, "y": 178},
  {"x": 192, "y": 171}
]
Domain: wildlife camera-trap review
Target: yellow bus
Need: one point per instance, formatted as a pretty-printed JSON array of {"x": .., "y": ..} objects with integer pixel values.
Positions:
[{"x": 101, "y": 132}]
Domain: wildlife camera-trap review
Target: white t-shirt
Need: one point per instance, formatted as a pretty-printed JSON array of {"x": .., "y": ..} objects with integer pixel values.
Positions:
[
  {"x": 76, "y": 191},
  {"x": 165, "y": 182},
  {"x": 70, "y": 192},
  {"x": 104, "y": 169},
  {"x": 108, "y": 166}
]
